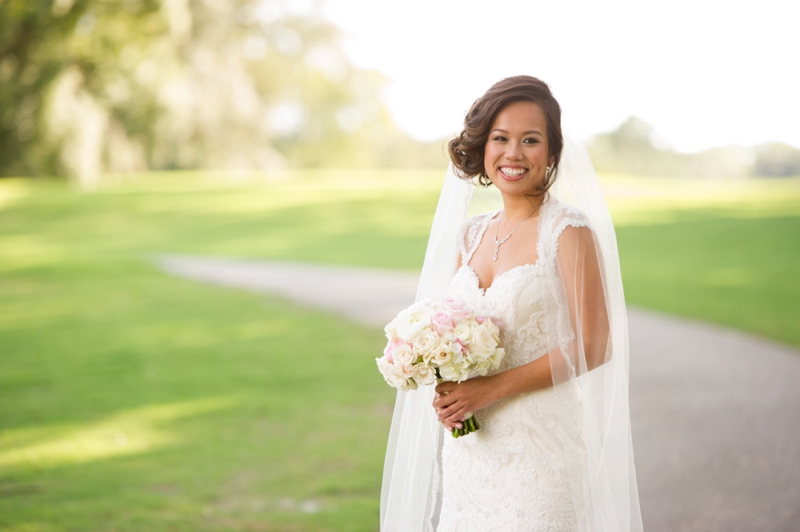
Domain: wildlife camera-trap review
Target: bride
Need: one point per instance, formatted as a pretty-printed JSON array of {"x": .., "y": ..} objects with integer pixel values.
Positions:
[{"x": 554, "y": 449}]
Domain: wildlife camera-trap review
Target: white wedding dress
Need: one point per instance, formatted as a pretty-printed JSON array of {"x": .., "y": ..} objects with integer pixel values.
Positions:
[{"x": 521, "y": 470}]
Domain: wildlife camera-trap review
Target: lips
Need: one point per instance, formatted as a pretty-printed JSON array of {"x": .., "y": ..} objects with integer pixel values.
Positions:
[{"x": 513, "y": 173}]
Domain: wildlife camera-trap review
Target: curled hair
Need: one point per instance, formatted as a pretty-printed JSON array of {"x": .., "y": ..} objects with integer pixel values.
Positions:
[{"x": 467, "y": 149}]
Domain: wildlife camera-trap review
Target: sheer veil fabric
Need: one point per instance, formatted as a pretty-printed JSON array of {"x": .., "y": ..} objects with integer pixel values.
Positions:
[{"x": 589, "y": 359}]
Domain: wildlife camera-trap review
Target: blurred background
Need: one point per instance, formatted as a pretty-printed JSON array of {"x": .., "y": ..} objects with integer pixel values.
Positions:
[{"x": 314, "y": 131}]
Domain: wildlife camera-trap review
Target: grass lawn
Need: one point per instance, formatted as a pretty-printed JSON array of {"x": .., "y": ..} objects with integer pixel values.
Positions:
[{"x": 130, "y": 400}]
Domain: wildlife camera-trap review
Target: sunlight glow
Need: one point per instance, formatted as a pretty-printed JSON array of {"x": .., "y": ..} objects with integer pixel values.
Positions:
[
  {"x": 704, "y": 74},
  {"x": 653, "y": 200},
  {"x": 129, "y": 432}
]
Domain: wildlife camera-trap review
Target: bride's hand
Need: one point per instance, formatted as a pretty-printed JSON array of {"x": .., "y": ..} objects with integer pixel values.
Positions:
[{"x": 455, "y": 400}]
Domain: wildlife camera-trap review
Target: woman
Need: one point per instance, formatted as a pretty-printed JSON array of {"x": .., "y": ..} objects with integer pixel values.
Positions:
[{"x": 554, "y": 451}]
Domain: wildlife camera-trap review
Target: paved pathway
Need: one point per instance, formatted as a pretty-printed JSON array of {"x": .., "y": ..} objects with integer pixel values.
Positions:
[{"x": 715, "y": 412}]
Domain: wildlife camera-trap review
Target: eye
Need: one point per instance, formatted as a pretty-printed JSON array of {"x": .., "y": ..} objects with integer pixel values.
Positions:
[
  {"x": 531, "y": 140},
  {"x": 499, "y": 138}
]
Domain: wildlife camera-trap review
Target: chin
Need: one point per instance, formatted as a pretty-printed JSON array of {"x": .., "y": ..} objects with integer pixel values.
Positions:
[{"x": 516, "y": 188}]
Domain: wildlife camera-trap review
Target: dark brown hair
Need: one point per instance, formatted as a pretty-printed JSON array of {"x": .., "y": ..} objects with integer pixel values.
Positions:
[{"x": 466, "y": 150}]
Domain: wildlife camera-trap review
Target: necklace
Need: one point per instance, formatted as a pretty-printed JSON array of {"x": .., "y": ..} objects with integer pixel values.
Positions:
[{"x": 498, "y": 243}]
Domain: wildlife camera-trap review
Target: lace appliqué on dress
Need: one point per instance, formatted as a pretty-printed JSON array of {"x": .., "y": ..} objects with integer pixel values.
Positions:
[{"x": 518, "y": 471}]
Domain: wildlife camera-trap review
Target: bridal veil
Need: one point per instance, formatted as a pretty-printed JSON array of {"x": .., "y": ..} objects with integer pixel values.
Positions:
[{"x": 589, "y": 363}]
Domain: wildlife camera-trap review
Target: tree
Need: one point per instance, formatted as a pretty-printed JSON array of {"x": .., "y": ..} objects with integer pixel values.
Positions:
[
  {"x": 93, "y": 86},
  {"x": 49, "y": 49},
  {"x": 777, "y": 160}
]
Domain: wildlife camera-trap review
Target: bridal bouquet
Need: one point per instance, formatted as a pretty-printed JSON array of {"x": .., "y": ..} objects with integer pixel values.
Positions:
[{"x": 437, "y": 340}]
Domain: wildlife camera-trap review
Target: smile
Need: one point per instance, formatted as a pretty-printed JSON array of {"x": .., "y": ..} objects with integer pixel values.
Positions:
[{"x": 512, "y": 173}]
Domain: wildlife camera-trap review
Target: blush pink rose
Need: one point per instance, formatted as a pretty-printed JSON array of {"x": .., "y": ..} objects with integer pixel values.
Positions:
[
  {"x": 391, "y": 347},
  {"x": 457, "y": 308},
  {"x": 443, "y": 321}
]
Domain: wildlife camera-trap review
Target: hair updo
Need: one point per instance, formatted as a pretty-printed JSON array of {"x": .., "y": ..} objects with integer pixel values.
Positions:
[{"x": 467, "y": 149}]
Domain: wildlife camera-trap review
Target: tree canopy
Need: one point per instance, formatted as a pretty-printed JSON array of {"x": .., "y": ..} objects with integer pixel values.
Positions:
[
  {"x": 634, "y": 148},
  {"x": 94, "y": 86}
]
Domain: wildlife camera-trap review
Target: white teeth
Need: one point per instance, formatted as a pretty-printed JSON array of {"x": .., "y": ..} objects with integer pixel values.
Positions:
[{"x": 512, "y": 172}]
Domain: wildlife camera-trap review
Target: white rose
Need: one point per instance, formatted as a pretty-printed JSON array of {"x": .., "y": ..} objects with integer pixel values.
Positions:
[
  {"x": 449, "y": 337},
  {"x": 424, "y": 343},
  {"x": 463, "y": 332},
  {"x": 394, "y": 377},
  {"x": 403, "y": 354},
  {"x": 399, "y": 377},
  {"x": 391, "y": 330},
  {"x": 384, "y": 367},
  {"x": 483, "y": 341},
  {"x": 408, "y": 373},
  {"x": 442, "y": 354},
  {"x": 407, "y": 369},
  {"x": 451, "y": 372},
  {"x": 424, "y": 374},
  {"x": 493, "y": 329},
  {"x": 412, "y": 320}
]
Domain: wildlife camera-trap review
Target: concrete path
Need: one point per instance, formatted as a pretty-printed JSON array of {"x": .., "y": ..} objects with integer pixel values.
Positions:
[{"x": 715, "y": 412}]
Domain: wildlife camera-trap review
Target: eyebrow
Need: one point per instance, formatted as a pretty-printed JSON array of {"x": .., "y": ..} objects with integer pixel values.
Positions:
[{"x": 499, "y": 130}]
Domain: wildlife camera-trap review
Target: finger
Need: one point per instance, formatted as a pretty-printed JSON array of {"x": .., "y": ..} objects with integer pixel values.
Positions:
[
  {"x": 457, "y": 416},
  {"x": 450, "y": 411},
  {"x": 447, "y": 422},
  {"x": 444, "y": 401},
  {"x": 450, "y": 426},
  {"x": 445, "y": 388}
]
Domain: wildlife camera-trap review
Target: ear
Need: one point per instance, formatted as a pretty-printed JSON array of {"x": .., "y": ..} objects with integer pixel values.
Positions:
[{"x": 552, "y": 160}]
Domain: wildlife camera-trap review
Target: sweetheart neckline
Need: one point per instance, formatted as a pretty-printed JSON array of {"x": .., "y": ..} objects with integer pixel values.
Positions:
[
  {"x": 477, "y": 279},
  {"x": 480, "y": 236}
]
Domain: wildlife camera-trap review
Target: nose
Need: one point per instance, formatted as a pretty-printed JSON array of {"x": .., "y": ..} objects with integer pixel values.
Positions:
[{"x": 513, "y": 151}]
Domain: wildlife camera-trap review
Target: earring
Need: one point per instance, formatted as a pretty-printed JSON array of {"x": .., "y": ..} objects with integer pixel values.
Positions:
[
  {"x": 483, "y": 180},
  {"x": 548, "y": 172}
]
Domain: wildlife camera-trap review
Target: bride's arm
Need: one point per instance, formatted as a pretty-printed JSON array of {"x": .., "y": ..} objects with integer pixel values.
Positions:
[
  {"x": 583, "y": 289},
  {"x": 480, "y": 392}
]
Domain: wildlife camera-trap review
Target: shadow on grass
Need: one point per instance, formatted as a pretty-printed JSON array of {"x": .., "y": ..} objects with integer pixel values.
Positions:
[{"x": 134, "y": 401}]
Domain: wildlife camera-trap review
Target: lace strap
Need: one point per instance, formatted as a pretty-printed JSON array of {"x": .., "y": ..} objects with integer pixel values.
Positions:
[
  {"x": 560, "y": 216},
  {"x": 462, "y": 244},
  {"x": 472, "y": 234}
]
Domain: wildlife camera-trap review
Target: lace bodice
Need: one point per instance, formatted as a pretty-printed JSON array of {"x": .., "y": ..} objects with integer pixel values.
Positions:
[
  {"x": 516, "y": 472},
  {"x": 520, "y": 300}
]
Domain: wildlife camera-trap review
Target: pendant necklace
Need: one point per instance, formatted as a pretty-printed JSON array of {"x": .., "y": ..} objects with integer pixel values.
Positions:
[{"x": 498, "y": 243}]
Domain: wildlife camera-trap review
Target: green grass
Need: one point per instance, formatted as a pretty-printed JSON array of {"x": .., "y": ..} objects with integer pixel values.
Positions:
[
  {"x": 722, "y": 252},
  {"x": 236, "y": 411},
  {"x": 133, "y": 401},
  {"x": 130, "y": 400}
]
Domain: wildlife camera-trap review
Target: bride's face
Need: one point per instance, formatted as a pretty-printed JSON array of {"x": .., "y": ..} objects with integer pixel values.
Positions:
[{"x": 517, "y": 152}]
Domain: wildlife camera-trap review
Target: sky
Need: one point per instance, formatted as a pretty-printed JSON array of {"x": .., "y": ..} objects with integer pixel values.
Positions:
[{"x": 702, "y": 73}]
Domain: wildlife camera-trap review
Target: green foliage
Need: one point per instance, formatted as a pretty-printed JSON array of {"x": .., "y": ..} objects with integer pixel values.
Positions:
[
  {"x": 89, "y": 87},
  {"x": 634, "y": 148},
  {"x": 40, "y": 42},
  {"x": 777, "y": 159}
]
